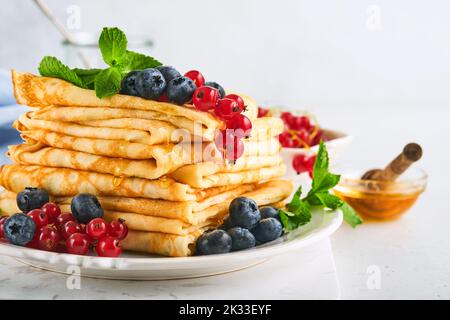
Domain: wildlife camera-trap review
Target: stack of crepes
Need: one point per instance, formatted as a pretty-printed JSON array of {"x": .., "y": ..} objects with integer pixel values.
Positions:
[{"x": 126, "y": 150}]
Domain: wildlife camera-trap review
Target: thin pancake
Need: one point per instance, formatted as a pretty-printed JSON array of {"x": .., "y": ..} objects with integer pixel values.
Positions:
[
  {"x": 164, "y": 159},
  {"x": 125, "y": 124},
  {"x": 196, "y": 179},
  {"x": 38, "y": 91},
  {"x": 165, "y": 244}
]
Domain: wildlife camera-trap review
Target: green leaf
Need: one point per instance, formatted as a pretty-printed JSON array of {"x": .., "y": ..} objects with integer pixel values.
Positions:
[
  {"x": 321, "y": 163},
  {"x": 88, "y": 76},
  {"x": 292, "y": 221},
  {"x": 107, "y": 82},
  {"x": 350, "y": 215},
  {"x": 329, "y": 201},
  {"x": 325, "y": 182},
  {"x": 113, "y": 45},
  {"x": 296, "y": 201},
  {"x": 137, "y": 61},
  {"x": 52, "y": 67}
]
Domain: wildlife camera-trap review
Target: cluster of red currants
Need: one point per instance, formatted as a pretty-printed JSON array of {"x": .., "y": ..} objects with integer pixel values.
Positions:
[
  {"x": 300, "y": 132},
  {"x": 59, "y": 232},
  {"x": 228, "y": 108}
]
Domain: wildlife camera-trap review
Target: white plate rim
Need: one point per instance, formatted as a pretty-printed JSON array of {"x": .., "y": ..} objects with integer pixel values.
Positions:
[{"x": 261, "y": 252}]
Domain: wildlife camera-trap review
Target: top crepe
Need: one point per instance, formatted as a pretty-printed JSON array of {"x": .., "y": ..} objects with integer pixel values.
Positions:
[{"x": 36, "y": 91}]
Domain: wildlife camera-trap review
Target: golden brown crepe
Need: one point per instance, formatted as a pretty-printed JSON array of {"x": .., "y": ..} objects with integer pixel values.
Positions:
[
  {"x": 159, "y": 132},
  {"x": 164, "y": 244},
  {"x": 64, "y": 182},
  {"x": 263, "y": 194},
  {"x": 128, "y": 127},
  {"x": 191, "y": 212},
  {"x": 129, "y": 150},
  {"x": 197, "y": 179},
  {"x": 39, "y": 91},
  {"x": 164, "y": 159},
  {"x": 161, "y": 243},
  {"x": 212, "y": 172},
  {"x": 69, "y": 182}
]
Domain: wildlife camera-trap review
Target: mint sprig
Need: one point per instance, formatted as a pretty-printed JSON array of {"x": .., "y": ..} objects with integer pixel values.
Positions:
[
  {"x": 113, "y": 46},
  {"x": 299, "y": 210}
]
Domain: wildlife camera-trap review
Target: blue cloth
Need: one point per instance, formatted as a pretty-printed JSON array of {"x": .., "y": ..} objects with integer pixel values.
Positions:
[
  {"x": 9, "y": 111},
  {"x": 6, "y": 89}
]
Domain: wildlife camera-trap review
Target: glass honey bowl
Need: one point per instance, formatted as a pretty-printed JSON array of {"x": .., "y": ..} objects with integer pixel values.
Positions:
[{"x": 381, "y": 200}]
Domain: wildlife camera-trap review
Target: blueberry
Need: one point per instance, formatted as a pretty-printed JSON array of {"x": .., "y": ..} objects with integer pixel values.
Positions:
[
  {"x": 31, "y": 198},
  {"x": 217, "y": 86},
  {"x": 241, "y": 239},
  {"x": 213, "y": 242},
  {"x": 86, "y": 207},
  {"x": 226, "y": 224},
  {"x": 269, "y": 212},
  {"x": 168, "y": 73},
  {"x": 244, "y": 212},
  {"x": 180, "y": 90},
  {"x": 128, "y": 85},
  {"x": 19, "y": 229},
  {"x": 267, "y": 229},
  {"x": 150, "y": 84}
]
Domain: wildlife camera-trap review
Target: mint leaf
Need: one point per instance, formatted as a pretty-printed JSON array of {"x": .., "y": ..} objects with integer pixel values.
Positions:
[
  {"x": 137, "y": 61},
  {"x": 107, "y": 82},
  {"x": 52, "y": 67},
  {"x": 329, "y": 200},
  {"x": 350, "y": 215},
  {"x": 292, "y": 221},
  {"x": 324, "y": 182},
  {"x": 88, "y": 76},
  {"x": 113, "y": 45},
  {"x": 296, "y": 201}
]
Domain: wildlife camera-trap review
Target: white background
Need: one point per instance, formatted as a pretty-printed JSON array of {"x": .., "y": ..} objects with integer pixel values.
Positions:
[
  {"x": 308, "y": 54},
  {"x": 385, "y": 81}
]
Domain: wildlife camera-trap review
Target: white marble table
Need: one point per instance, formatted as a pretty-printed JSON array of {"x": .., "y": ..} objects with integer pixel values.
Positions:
[{"x": 305, "y": 274}]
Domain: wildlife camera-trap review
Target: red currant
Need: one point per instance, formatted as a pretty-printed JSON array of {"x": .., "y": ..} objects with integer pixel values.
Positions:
[
  {"x": 96, "y": 228},
  {"x": 287, "y": 118},
  {"x": 163, "y": 97},
  {"x": 52, "y": 211},
  {"x": 49, "y": 239},
  {"x": 196, "y": 76},
  {"x": 108, "y": 247},
  {"x": 316, "y": 139},
  {"x": 239, "y": 101},
  {"x": 118, "y": 229},
  {"x": 234, "y": 150},
  {"x": 300, "y": 122},
  {"x": 63, "y": 218},
  {"x": 2, "y": 221},
  {"x": 77, "y": 243},
  {"x": 262, "y": 112},
  {"x": 303, "y": 163},
  {"x": 205, "y": 98},
  {"x": 34, "y": 243},
  {"x": 39, "y": 217},
  {"x": 226, "y": 109},
  {"x": 241, "y": 125},
  {"x": 222, "y": 137},
  {"x": 69, "y": 228},
  {"x": 300, "y": 164}
]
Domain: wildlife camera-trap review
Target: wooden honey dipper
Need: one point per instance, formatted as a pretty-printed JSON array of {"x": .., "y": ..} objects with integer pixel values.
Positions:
[{"x": 411, "y": 153}]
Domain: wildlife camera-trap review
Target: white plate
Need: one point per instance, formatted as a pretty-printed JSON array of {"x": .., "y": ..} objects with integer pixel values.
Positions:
[{"x": 140, "y": 267}]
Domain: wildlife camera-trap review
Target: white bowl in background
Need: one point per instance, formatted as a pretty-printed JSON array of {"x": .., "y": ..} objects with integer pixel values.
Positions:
[{"x": 337, "y": 144}]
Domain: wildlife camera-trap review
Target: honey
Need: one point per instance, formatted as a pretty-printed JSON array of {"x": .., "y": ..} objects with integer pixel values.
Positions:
[{"x": 377, "y": 205}]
